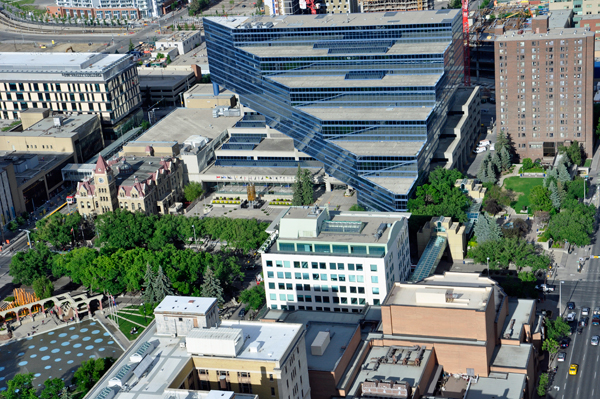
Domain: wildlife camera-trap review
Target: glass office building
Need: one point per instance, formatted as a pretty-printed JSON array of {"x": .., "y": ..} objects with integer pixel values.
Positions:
[{"x": 366, "y": 94}]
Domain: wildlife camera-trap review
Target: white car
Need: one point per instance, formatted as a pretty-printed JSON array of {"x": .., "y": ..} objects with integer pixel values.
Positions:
[
  {"x": 571, "y": 316},
  {"x": 479, "y": 150},
  {"x": 595, "y": 340},
  {"x": 561, "y": 356},
  {"x": 483, "y": 143},
  {"x": 585, "y": 311}
]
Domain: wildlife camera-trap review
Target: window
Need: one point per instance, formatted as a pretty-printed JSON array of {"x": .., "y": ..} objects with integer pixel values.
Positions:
[
  {"x": 375, "y": 290},
  {"x": 270, "y": 275},
  {"x": 324, "y": 277},
  {"x": 332, "y": 266},
  {"x": 272, "y": 389},
  {"x": 373, "y": 268},
  {"x": 374, "y": 279}
]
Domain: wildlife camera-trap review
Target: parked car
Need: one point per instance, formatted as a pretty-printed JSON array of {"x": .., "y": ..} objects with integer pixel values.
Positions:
[
  {"x": 242, "y": 312},
  {"x": 585, "y": 311},
  {"x": 571, "y": 316},
  {"x": 561, "y": 356},
  {"x": 479, "y": 150},
  {"x": 595, "y": 340},
  {"x": 571, "y": 305},
  {"x": 564, "y": 343},
  {"x": 545, "y": 287},
  {"x": 483, "y": 143}
]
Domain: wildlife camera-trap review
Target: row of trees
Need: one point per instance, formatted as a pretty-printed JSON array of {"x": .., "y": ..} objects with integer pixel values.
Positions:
[
  {"x": 21, "y": 386},
  {"x": 126, "y": 269},
  {"x": 197, "y": 6},
  {"x": 303, "y": 188},
  {"x": 123, "y": 229},
  {"x": 440, "y": 196}
]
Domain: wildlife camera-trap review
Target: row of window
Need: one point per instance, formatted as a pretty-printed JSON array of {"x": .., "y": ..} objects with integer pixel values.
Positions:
[
  {"x": 320, "y": 276},
  {"x": 317, "y": 288},
  {"x": 319, "y": 265},
  {"x": 320, "y": 299},
  {"x": 332, "y": 248}
]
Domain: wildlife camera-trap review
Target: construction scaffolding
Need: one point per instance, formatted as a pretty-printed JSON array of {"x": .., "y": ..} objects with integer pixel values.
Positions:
[{"x": 396, "y": 5}]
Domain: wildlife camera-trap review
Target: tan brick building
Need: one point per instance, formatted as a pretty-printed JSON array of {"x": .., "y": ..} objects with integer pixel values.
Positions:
[
  {"x": 145, "y": 184},
  {"x": 544, "y": 88}
]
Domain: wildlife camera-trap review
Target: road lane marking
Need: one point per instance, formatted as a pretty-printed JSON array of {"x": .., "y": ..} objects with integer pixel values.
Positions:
[
  {"x": 565, "y": 387},
  {"x": 577, "y": 391}
]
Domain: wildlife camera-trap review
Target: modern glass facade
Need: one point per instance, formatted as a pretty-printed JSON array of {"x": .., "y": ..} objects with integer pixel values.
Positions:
[{"x": 365, "y": 94}]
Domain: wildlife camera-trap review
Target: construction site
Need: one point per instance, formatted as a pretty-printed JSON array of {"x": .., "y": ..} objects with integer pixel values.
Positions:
[
  {"x": 396, "y": 5},
  {"x": 514, "y": 17}
]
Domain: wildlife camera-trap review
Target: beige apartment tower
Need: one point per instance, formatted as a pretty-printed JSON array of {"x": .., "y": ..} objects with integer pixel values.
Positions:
[{"x": 544, "y": 88}]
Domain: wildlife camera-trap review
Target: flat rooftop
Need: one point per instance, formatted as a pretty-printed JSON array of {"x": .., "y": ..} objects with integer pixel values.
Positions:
[
  {"x": 520, "y": 311},
  {"x": 182, "y": 123},
  {"x": 369, "y": 114},
  {"x": 505, "y": 386},
  {"x": 409, "y": 373},
  {"x": 400, "y": 148},
  {"x": 236, "y": 171},
  {"x": 512, "y": 356},
  {"x": 58, "y": 62},
  {"x": 46, "y": 127},
  {"x": 332, "y": 20},
  {"x": 561, "y": 18},
  {"x": 206, "y": 90},
  {"x": 432, "y": 296},
  {"x": 336, "y": 81},
  {"x": 178, "y": 37},
  {"x": 398, "y": 185},
  {"x": 340, "y": 336},
  {"x": 309, "y": 316},
  {"x": 557, "y": 33},
  {"x": 46, "y": 162},
  {"x": 161, "y": 77},
  {"x": 185, "y": 304}
]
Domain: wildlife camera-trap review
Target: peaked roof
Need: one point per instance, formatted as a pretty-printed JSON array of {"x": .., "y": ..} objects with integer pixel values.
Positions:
[{"x": 101, "y": 166}]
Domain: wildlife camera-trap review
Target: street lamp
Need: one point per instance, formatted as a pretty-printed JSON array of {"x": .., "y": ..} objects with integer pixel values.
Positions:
[
  {"x": 584, "y": 184},
  {"x": 28, "y": 240},
  {"x": 488, "y": 266},
  {"x": 560, "y": 297}
]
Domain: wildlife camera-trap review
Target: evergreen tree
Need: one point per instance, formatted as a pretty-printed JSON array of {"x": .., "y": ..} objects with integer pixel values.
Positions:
[
  {"x": 554, "y": 196},
  {"x": 491, "y": 173},
  {"x": 307, "y": 187},
  {"x": 502, "y": 141},
  {"x": 297, "y": 188},
  {"x": 505, "y": 159},
  {"x": 64, "y": 394},
  {"x": 162, "y": 286},
  {"x": 563, "y": 174},
  {"x": 497, "y": 162},
  {"x": 148, "y": 285},
  {"x": 211, "y": 287},
  {"x": 551, "y": 175},
  {"x": 486, "y": 229},
  {"x": 481, "y": 173}
]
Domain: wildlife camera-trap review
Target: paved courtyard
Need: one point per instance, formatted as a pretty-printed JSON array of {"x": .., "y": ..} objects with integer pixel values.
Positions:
[{"x": 57, "y": 353}]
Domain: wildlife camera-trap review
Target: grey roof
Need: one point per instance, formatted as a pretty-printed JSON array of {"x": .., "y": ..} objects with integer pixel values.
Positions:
[
  {"x": 161, "y": 77},
  {"x": 366, "y": 19},
  {"x": 185, "y": 304},
  {"x": 90, "y": 62},
  {"x": 406, "y": 148},
  {"x": 520, "y": 311},
  {"x": 340, "y": 336},
  {"x": 369, "y": 114},
  {"x": 238, "y": 171},
  {"x": 185, "y": 122},
  {"x": 505, "y": 386},
  {"x": 564, "y": 33},
  {"x": 398, "y": 185},
  {"x": 560, "y": 18},
  {"x": 512, "y": 356},
  {"x": 46, "y": 127},
  {"x": 341, "y": 81}
]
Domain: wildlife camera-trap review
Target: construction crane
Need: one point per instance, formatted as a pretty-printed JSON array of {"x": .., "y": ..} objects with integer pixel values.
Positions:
[
  {"x": 466, "y": 51},
  {"x": 70, "y": 48},
  {"x": 310, "y": 4}
]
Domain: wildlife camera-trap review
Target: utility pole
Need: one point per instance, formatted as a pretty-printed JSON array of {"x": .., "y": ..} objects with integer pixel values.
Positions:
[{"x": 28, "y": 240}]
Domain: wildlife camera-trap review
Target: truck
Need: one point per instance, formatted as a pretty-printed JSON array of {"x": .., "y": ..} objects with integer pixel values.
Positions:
[{"x": 545, "y": 287}]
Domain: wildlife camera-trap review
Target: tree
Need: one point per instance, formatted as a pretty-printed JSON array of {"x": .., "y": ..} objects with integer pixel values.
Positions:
[
  {"x": 53, "y": 389},
  {"x": 440, "y": 197},
  {"x": 554, "y": 196},
  {"x": 131, "y": 46},
  {"x": 168, "y": 60},
  {"x": 486, "y": 229},
  {"x": 574, "y": 225},
  {"x": 254, "y": 297},
  {"x": 575, "y": 153},
  {"x": 162, "y": 286},
  {"x": 482, "y": 171},
  {"x": 557, "y": 328},
  {"x": 192, "y": 191},
  {"x": 491, "y": 173},
  {"x": 519, "y": 229},
  {"x": 543, "y": 385},
  {"x": 43, "y": 287},
  {"x": 297, "y": 188},
  {"x": 90, "y": 372},
  {"x": 551, "y": 176},
  {"x": 527, "y": 164},
  {"x": 505, "y": 158},
  {"x": 26, "y": 267},
  {"x": 149, "y": 279},
  {"x": 539, "y": 199},
  {"x": 307, "y": 188},
  {"x": 357, "y": 208},
  {"x": 454, "y": 4},
  {"x": 58, "y": 229},
  {"x": 211, "y": 287},
  {"x": 542, "y": 216},
  {"x": 526, "y": 277},
  {"x": 563, "y": 174},
  {"x": 20, "y": 387},
  {"x": 492, "y": 207},
  {"x": 508, "y": 251},
  {"x": 65, "y": 394},
  {"x": 497, "y": 162}
]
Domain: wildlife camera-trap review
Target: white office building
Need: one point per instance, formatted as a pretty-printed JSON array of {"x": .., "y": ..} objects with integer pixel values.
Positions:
[{"x": 318, "y": 259}]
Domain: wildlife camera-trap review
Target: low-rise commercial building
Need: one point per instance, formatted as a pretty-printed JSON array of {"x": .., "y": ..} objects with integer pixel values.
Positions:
[
  {"x": 89, "y": 83},
  {"x": 334, "y": 261},
  {"x": 79, "y": 134},
  {"x": 164, "y": 87},
  {"x": 267, "y": 360},
  {"x": 184, "y": 41},
  {"x": 203, "y": 96},
  {"x": 178, "y": 315}
]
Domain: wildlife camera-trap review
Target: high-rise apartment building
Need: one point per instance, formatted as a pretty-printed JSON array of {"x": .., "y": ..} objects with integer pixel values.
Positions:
[
  {"x": 334, "y": 262},
  {"x": 89, "y": 83},
  {"x": 365, "y": 94},
  {"x": 544, "y": 88}
]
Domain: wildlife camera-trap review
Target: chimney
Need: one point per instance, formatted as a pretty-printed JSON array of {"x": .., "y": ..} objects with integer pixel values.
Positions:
[
  {"x": 197, "y": 72},
  {"x": 499, "y": 30},
  {"x": 540, "y": 24}
]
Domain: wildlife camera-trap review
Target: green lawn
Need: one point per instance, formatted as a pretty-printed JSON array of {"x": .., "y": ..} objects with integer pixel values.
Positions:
[
  {"x": 588, "y": 163},
  {"x": 137, "y": 318},
  {"x": 126, "y": 326},
  {"x": 522, "y": 187},
  {"x": 535, "y": 169}
]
